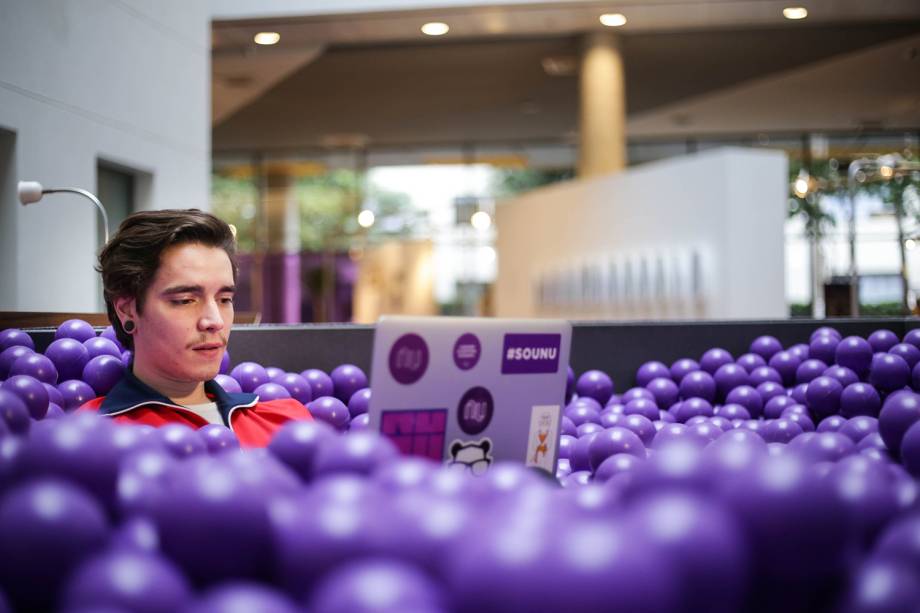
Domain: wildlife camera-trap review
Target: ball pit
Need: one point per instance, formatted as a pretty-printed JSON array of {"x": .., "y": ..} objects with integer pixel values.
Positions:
[{"x": 783, "y": 480}]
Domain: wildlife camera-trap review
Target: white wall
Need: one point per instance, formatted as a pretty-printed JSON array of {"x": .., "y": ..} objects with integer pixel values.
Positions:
[
  {"x": 126, "y": 81},
  {"x": 724, "y": 208}
]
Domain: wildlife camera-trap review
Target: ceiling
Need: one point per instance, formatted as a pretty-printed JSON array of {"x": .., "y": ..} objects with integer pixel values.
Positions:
[{"x": 371, "y": 80}]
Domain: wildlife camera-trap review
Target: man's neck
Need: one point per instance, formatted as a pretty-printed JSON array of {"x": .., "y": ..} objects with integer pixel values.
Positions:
[{"x": 180, "y": 392}]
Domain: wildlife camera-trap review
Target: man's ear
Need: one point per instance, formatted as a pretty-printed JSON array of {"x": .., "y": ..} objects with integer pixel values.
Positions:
[{"x": 125, "y": 308}]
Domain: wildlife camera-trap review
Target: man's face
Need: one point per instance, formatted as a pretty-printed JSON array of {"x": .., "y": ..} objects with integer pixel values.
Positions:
[{"x": 182, "y": 333}]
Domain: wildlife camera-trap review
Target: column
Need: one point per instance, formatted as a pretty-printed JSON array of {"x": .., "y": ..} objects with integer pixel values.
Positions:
[{"x": 603, "y": 106}]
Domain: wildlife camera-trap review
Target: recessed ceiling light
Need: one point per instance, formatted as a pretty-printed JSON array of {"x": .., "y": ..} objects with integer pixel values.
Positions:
[
  {"x": 435, "y": 28},
  {"x": 795, "y": 12},
  {"x": 266, "y": 38},
  {"x": 613, "y": 20}
]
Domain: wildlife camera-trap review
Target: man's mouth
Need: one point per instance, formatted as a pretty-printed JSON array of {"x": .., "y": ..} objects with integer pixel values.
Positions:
[{"x": 208, "y": 346}]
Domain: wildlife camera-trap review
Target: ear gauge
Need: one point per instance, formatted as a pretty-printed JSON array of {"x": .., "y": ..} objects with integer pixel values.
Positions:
[{"x": 128, "y": 326}]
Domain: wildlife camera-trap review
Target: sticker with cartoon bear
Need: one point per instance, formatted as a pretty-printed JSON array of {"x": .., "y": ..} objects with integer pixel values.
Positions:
[{"x": 475, "y": 456}]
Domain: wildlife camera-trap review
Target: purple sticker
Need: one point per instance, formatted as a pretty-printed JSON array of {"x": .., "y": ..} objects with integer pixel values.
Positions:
[
  {"x": 475, "y": 410},
  {"x": 466, "y": 351},
  {"x": 531, "y": 354},
  {"x": 408, "y": 358},
  {"x": 417, "y": 432}
]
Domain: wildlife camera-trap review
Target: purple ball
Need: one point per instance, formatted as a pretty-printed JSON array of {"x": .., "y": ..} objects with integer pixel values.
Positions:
[
  {"x": 912, "y": 337},
  {"x": 358, "y": 452},
  {"x": 567, "y": 426},
  {"x": 356, "y": 586},
  {"x": 249, "y": 375},
  {"x": 296, "y": 444},
  {"x": 641, "y": 426},
  {"x": 823, "y": 396},
  {"x": 750, "y": 361},
  {"x": 102, "y": 373},
  {"x": 218, "y": 438},
  {"x": 899, "y": 412},
  {"x": 887, "y": 372},
  {"x": 31, "y": 392},
  {"x": 909, "y": 353},
  {"x": 271, "y": 391},
  {"x": 54, "y": 411},
  {"x": 882, "y": 585},
  {"x": 825, "y": 331},
  {"x": 634, "y": 393},
  {"x": 664, "y": 390},
  {"x": 651, "y": 370},
  {"x": 360, "y": 402},
  {"x": 798, "y": 393},
  {"x": 698, "y": 384},
  {"x": 691, "y": 408},
  {"x": 54, "y": 396},
  {"x": 228, "y": 383},
  {"x": 832, "y": 423},
  {"x": 785, "y": 364},
  {"x": 802, "y": 419},
  {"x": 14, "y": 414},
  {"x": 47, "y": 528},
  {"x": 769, "y": 389},
  {"x": 225, "y": 363},
  {"x": 642, "y": 406},
  {"x": 10, "y": 355},
  {"x": 764, "y": 374},
  {"x": 746, "y": 396},
  {"x": 705, "y": 542},
  {"x": 855, "y": 353},
  {"x": 569, "y": 382},
  {"x": 766, "y": 346},
  {"x": 618, "y": 464},
  {"x": 127, "y": 357},
  {"x": 579, "y": 458},
  {"x": 860, "y": 399},
  {"x": 882, "y": 340},
  {"x": 566, "y": 445},
  {"x": 346, "y": 380},
  {"x": 910, "y": 450},
  {"x": 595, "y": 384},
  {"x": 129, "y": 581},
  {"x": 75, "y": 394},
  {"x": 781, "y": 430},
  {"x": 728, "y": 377},
  {"x": 733, "y": 411},
  {"x": 901, "y": 541},
  {"x": 859, "y": 427},
  {"x": 842, "y": 374},
  {"x": 36, "y": 366},
  {"x": 583, "y": 410},
  {"x": 799, "y": 350},
  {"x": 824, "y": 348},
  {"x": 69, "y": 357},
  {"x": 273, "y": 372},
  {"x": 181, "y": 441},
  {"x": 683, "y": 367},
  {"x": 109, "y": 333},
  {"x": 12, "y": 337},
  {"x": 97, "y": 346},
  {"x": 588, "y": 428},
  {"x": 774, "y": 407},
  {"x": 331, "y": 410},
  {"x": 611, "y": 442},
  {"x": 297, "y": 387},
  {"x": 714, "y": 359},
  {"x": 809, "y": 370},
  {"x": 75, "y": 329},
  {"x": 320, "y": 383},
  {"x": 240, "y": 596},
  {"x": 361, "y": 422}
]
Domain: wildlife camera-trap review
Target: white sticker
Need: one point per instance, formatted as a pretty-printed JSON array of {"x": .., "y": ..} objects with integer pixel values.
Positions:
[{"x": 544, "y": 432}]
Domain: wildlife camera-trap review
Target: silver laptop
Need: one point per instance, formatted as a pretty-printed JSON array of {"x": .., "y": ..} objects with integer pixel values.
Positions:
[{"x": 471, "y": 391}]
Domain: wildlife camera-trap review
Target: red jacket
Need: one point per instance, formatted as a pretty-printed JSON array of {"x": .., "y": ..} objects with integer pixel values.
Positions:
[{"x": 134, "y": 402}]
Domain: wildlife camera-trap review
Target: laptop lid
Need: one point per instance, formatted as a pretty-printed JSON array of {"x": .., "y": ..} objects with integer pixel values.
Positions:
[{"x": 471, "y": 391}]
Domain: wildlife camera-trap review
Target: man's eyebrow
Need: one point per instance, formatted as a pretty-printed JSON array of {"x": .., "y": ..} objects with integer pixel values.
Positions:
[{"x": 195, "y": 289}]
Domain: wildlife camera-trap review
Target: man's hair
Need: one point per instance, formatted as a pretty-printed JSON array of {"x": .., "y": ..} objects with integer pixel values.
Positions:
[{"x": 129, "y": 262}]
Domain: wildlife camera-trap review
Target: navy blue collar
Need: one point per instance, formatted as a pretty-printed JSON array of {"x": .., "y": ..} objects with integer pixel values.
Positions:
[{"x": 131, "y": 393}]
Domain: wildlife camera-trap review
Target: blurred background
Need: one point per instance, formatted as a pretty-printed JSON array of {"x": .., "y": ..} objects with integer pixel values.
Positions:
[{"x": 652, "y": 159}]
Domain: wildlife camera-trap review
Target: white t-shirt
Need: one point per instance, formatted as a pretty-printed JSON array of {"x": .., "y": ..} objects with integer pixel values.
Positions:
[{"x": 208, "y": 411}]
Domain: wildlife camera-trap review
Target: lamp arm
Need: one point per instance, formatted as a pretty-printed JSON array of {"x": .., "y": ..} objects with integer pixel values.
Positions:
[{"x": 90, "y": 196}]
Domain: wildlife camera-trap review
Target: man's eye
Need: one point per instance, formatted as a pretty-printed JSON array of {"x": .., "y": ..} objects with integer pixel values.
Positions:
[
  {"x": 182, "y": 301},
  {"x": 227, "y": 300}
]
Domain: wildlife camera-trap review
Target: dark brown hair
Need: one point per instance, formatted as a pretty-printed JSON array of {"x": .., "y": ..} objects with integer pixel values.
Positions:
[{"x": 129, "y": 262}]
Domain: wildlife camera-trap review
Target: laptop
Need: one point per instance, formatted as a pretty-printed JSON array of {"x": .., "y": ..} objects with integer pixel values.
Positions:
[{"x": 471, "y": 391}]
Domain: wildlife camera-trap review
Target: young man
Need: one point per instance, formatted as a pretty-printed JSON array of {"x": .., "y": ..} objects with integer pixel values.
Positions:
[{"x": 169, "y": 278}]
